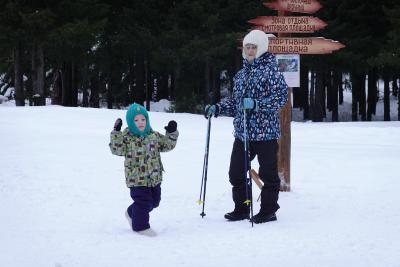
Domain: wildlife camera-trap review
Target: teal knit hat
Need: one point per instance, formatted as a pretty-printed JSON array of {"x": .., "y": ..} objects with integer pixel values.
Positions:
[{"x": 133, "y": 110}]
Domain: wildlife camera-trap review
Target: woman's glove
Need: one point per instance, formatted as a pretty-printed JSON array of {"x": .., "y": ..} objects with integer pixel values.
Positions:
[
  {"x": 211, "y": 110},
  {"x": 171, "y": 127},
  {"x": 249, "y": 103},
  {"x": 118, "y": 125}
]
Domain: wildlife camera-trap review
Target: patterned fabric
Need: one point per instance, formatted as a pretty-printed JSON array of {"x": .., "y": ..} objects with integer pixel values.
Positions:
[
  {"x": 262, "y": 82},
  {"x": 143, "y": 166}
]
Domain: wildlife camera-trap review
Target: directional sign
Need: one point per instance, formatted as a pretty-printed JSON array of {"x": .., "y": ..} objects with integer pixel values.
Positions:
[
  {"x": 304, "y": 24},
  {"x": 303, "y": 45},
  {"x": 301, "y": 6}
]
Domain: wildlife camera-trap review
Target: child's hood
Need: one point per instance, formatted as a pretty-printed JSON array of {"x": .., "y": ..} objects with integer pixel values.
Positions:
[{"x": 133, "y": 110}]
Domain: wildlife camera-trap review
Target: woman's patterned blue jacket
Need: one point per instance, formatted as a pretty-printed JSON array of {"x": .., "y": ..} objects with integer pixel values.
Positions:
[{"x": 262, "y": 82}]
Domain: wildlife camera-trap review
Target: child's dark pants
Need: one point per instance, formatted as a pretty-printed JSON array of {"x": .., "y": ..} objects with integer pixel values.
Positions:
[{"x": 145, "y": 199}]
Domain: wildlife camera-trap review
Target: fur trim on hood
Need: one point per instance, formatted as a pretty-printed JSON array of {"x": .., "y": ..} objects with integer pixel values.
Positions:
[{"x": 258, "y": 38}]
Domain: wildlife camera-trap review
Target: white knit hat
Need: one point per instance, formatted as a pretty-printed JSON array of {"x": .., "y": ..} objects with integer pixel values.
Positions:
[{"x": 258, "y": 38}]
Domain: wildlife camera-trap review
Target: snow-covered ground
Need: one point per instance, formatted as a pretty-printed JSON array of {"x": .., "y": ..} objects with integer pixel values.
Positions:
[{"x": 63, "y": 196}]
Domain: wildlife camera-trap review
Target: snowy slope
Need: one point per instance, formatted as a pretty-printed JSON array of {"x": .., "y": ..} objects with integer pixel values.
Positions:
[{"x": 63, "y": 196}]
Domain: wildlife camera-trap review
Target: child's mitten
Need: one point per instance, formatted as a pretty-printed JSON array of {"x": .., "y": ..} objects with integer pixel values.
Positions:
[
  {"x": 118, "y": 125},
  {"x": 171, "y": 127}
]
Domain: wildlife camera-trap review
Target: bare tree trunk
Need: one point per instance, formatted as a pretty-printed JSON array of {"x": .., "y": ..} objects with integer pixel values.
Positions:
[
  {"x": 74, "y": 84},
  {"x": 171, "y": 86},
  {"x": 216, "y": 84},
  {"x": 85, "y": 85},
  {"x": 39, "y": 97},
  {"x": 298, "y": 93},
  {"x": 355, "y": 87},
  {"x": 372, "y": 93},
  {"x": 398, "y": 106},
  {"x": 175, "y": 80},
  {"x": 337, "y": 83},
  {"x": 395, "y": 87},
  {"x": 34, "y": 73},
  {"x": 18, "y": 80},
  {"x": 40, "y": 77},
  {"x": 57, "y": 88},
  {"x": 362, "y": 104},
  {"x": 398, "y": 99},
  {"x": 386, "y": 99},
  {"x": 329, "y": 90},
  {"x": 304, "y": 89},
  {"x": 110, "y": 91},
  {"x": 312, "y": 95},
  {"x": 94, "y": 91},
  {"x": 323, "y": 92},
  {"x": 163, "y": 86},
  {"x": 297, "y": 98},
  {"x": 66, "y": 84},
  {"x": 29, "y": 89},
  {"x": 318, "y": 113},
  {"x": 341, "y": 91}
]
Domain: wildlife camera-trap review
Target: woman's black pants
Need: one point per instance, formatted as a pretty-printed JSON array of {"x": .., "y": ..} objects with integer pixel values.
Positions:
[{"x": 266, "y": 152}]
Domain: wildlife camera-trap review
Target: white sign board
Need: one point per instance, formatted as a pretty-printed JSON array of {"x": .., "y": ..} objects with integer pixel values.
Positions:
[{"x": 289, "y": 65}]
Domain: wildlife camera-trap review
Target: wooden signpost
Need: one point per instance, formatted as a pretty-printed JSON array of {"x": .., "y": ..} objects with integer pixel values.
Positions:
[
  {"x": 303, "y": 45},
  {"x": 304, "y": 24},
  {"x": 301, "y": 6},
  {"x": 283, "y": 44}
]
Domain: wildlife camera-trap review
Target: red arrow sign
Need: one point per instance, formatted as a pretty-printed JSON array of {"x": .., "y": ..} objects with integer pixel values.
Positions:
[
  {"x": 305, "y": 45},
  {"x": 301, "y": 6},
  {"x": 304, "y": 24}
]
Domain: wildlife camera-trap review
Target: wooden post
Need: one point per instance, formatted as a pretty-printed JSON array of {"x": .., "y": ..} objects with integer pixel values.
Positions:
[
  {"x": 285, "y": 144},
  {"x": 285, "y": 140},
  {"x": 309, "y": 45}
]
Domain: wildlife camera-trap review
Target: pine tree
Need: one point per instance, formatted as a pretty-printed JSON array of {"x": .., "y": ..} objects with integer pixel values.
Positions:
[
  {"x": 390, "y": 54},
  {"x": 362, "y": 26},
  {"x": 12, "y": 40},
  {"x": 72, "y": 43}
]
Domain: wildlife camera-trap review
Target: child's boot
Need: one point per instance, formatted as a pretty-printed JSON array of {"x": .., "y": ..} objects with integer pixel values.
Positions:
[{"x": 147, "y": 232}]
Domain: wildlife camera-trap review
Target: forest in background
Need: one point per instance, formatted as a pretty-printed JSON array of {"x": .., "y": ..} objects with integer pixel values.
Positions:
[{"x": 94, "y": 53}]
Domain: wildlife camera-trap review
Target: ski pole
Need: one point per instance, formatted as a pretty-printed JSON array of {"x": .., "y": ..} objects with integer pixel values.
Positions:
[
  {"x": 203, "y": 187},
  {"x": 247, "y": 168}
]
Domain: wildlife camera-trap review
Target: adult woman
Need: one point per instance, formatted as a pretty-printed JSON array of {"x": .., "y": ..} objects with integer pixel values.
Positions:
[{"x": 261, "y": 90}]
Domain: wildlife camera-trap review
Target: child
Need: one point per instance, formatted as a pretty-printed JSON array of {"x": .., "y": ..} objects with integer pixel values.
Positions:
[{"x": 141, "y": 147}]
